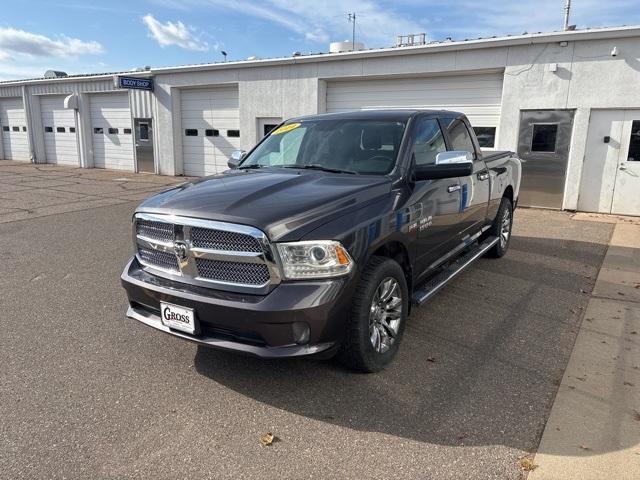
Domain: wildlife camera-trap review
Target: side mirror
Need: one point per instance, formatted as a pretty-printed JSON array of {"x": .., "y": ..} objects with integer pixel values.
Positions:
[
  {"x": 236, "y": 158},
  {"x": 448, "y": 165},
  {"x": 454, "y": 157}
]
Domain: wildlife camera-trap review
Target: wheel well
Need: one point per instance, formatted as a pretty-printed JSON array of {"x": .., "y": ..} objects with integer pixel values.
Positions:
[
  {"x": 508, "y": 193},
  {"x": 398, "y": 252}
]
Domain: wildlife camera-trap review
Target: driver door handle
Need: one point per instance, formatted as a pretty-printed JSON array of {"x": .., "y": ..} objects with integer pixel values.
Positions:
[{"x": 453, "y": 188}]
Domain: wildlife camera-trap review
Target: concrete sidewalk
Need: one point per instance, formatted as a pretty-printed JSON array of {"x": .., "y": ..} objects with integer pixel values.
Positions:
[{"x": 593, "y": 431}]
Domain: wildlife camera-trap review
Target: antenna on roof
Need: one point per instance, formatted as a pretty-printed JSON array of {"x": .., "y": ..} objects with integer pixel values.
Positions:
[
  {"x": 567, "y": 11},
  {"x": 351, "y": 17}
]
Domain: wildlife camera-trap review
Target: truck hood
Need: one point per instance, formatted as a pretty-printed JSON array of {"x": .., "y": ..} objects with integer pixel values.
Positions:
[{"x": 285, "y": 204}]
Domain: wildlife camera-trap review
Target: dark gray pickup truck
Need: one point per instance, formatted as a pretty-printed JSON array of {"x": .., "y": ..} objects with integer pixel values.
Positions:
[{"x": 322, "y": 238}]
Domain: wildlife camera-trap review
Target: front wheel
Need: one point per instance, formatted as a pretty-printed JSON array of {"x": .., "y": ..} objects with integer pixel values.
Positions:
[
  {"x": 377, "y": 318},
  {"x": 501, "y": 228}
]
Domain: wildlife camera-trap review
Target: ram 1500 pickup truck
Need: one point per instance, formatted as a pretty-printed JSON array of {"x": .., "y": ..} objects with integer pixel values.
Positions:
[{"x": 321, "y": 239}]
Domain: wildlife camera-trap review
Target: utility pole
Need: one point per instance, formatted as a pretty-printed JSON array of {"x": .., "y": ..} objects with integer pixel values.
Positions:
[{"x": 352, "y": 18}]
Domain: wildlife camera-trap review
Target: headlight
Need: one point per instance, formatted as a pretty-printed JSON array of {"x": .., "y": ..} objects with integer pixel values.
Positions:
[{"x": 314, "y": 259}]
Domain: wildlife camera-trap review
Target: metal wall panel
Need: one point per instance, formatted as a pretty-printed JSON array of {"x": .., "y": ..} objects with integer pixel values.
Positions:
[
  {"x": 141, "y": 102},
  {"x": 544, "y": 172}
]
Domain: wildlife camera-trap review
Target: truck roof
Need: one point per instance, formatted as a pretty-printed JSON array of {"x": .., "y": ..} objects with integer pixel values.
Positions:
[{"x": 398, "y": 114}]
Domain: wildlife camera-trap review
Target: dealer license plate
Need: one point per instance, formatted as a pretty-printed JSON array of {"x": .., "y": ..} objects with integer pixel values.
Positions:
[{"x": 178, "y": 318}]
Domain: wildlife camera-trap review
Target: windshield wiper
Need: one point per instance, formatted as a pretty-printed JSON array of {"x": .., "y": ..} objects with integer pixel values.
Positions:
[
  {"x": 315, "y": 166},
  {"x": 250, "y": 167}
]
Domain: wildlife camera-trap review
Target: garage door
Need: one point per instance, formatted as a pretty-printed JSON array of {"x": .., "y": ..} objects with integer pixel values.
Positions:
[
  {"x": 111, "y": 124},
  {"x": 210, "y": 129},
  {"x": 478, "y": 96},
  {"x": 60, "y": 137},
  {"x": 15, "y": 143}
]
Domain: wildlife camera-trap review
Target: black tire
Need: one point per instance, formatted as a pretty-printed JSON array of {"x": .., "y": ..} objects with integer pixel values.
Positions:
[
  {"x": 497, "y": 229},
  {"x": 358, "y": 351}
]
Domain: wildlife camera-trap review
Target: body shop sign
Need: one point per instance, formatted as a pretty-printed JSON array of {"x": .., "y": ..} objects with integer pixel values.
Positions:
[{"x": 136, "y": 83}]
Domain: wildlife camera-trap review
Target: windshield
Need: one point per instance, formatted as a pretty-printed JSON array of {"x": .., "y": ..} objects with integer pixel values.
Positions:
[{"x": 350, "y": 146}]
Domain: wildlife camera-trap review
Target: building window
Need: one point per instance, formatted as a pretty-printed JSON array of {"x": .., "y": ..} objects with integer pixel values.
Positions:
[
  {"x": 127, "y": 131},
  {"x": 191, "y": 132},
  {"x": 113, "y": 131},
  {"x": 211, "y": 132},
  {"x": 544, "y": 138},
  {"x": 98, "y": 130},
  {"x": 144, "y": 131},
  {"x": 267, "y": 127},
  {"x": 5, "y": 128},
  {"x": 48, "y": 129},
  {"x": 60, "y": 129},
  {"x": 72, "y": 129},
  {"x": 16, "y": 129},
  {"x": 486, "y": 136},
  {"x": 233, "y": 133},
  {"x": 24, "y": 129},
  {"x": 634, "y": 142}
]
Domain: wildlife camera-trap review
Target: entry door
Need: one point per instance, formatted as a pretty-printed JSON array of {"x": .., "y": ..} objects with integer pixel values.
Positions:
[
  {"x": 626, "y": 193},
  {"x": 543, "y": 144},
  {"x": 611, "y": 170},
  {"x": 144, "y": 145}
]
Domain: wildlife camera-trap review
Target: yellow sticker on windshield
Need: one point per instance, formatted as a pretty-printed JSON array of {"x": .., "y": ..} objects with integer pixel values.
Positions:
[{"x": 286, "y": 128}]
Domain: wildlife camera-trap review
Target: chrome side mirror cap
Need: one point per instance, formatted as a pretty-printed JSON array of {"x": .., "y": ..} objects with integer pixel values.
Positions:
[
  {"x": 236, "y": 158},
  {"x": 454, "y": 157}
]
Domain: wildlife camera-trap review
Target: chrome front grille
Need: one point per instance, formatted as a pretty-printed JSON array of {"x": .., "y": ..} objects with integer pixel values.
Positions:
[
  {"x": 156, "y": 258},
  {"x": 247, "y": 273},
  {"x": 213, "y": 254},
  {"x": 224, "y": 240},
  {"x": 155, "y": 230}
]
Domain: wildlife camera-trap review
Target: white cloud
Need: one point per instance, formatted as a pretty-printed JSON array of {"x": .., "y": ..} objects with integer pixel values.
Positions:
[
  {"x": 177, "y": 33},
  {"x": 15, "y": 42},
  {"x": 322, "y": 21}
]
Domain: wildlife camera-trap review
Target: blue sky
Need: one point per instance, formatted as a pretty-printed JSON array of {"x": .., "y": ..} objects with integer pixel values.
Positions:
[{"x": 81, "y": 36}]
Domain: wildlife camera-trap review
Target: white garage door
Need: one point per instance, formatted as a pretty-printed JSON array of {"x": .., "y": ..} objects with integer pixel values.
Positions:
[
  {"x": 478, "y": 96},
  {"x": 15, "y": 144},
  {"x": 210, "y": 129},
  {"x": 60, "y": 137},
  {"x": 111, "y": 124}
]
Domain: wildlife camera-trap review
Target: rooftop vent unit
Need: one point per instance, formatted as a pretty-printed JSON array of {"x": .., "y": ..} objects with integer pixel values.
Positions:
[
  {"x": 411, "y": 40},
  {"x": 55, "y": 74},
  {"x": 346, "y": 46}
]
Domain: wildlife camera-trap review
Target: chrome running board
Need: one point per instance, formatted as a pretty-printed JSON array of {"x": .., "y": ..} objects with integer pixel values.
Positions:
[{"x": 435, "y": 283}]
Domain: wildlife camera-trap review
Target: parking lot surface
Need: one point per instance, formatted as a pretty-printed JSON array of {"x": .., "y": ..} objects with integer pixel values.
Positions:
[{"x": 87, "y": 393}]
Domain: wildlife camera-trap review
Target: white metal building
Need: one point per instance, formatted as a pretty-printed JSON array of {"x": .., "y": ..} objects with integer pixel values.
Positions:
[{"x": 567, "y": 101}]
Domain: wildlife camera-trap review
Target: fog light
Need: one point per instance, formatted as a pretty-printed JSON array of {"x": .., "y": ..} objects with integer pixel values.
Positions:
[{"x": 301, "y": 332}]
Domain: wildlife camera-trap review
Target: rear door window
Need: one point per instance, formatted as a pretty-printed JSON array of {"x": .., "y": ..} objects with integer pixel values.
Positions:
[
  {"x": 460, "y": 137},
  {"x": 428, "y": 142}
]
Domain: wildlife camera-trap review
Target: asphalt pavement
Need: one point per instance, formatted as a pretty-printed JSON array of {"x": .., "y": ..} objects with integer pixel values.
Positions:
[{"x": 87, "y": 393}]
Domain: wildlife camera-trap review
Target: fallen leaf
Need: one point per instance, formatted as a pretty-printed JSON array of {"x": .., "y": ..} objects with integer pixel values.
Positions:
[
  {"x": 584, "y": 447},
  {"x": 628, "y": 384},
  {"x": 636, "y": 415},
  {"x": 267, "y": 439},
  {"x": 572, "y": 310},
  {"x": 527, "y": 464},
  {"x": 637, "y": 285},
  {"x": 431, "y": 359},
  {"x": 620, "y": 293},
  {"x": 633, "y": 332},
  {"x": 582, "y": 379}
]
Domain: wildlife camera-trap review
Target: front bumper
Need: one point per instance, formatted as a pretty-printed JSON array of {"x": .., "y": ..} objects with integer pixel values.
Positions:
[{"x": 262, "y": 325}]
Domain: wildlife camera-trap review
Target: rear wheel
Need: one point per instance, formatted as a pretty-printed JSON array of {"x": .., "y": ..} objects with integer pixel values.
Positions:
[
  {"x": 377, "y": 318},
  {"x": 501, "y": 228}
]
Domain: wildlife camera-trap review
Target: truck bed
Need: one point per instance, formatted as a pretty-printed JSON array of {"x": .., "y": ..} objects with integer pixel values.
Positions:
[{"x": 493, "y": 154}]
